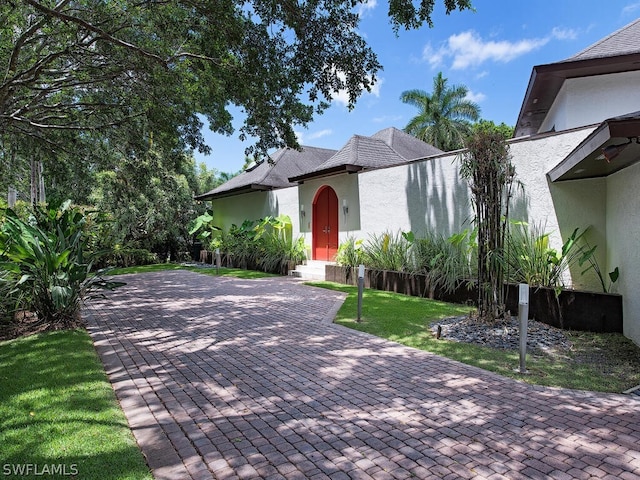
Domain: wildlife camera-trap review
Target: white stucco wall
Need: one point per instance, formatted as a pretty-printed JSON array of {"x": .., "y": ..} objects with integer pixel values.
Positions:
[
  {"x": 418, "y": 197},
  {"x": 591, "y": 100},
  {"x": 564, "y": 206},
  {"x": 256, "y": 205},
  {"x": 623, "y": 226}
]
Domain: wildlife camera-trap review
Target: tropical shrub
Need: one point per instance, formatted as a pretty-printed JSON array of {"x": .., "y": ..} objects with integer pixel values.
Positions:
[
  {"x": 350, "y": 253},
  {"x": 266, "y": 244},
  {"x": 528, "y": 258},
  {"x": 445, "y": 261},
  {"x": 45, "y": 264},
  {"x": 122, "y": 256},
  {"x": 277, "y": 250},
  {"x": 388, "y": 251}
]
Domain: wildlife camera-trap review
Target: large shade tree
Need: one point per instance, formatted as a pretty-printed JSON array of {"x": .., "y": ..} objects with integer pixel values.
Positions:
[
  {"x": 90, "y": 65},
  {"x": 445, "y": 115},
  {"x": 94, "y": 89}
]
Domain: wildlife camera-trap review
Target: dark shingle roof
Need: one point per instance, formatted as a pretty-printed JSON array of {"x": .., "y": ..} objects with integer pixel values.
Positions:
[
  {"x": 621, "y": 42},
  {"x": 363, "y": 152},
  {"x": 406, "y": 145},
  {"x": 385, "y": 148},
  {"x": 285, "y": 163}
]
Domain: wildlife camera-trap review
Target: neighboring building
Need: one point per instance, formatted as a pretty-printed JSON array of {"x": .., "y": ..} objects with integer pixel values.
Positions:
[{"x": 575, "y": 150}]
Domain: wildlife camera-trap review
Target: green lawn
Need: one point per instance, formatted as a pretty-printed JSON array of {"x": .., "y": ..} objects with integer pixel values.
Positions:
[
  {"x": 58, "y": 412},
  {"x": 222, "y": 272},
  {"x": 599, "y": 362}
]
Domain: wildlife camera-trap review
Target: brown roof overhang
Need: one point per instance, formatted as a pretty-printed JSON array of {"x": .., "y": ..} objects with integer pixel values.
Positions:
[
  {"x": 587, "y": 160},
  {"x": 546, "y": 81},
  {"x": 327, "y": 172},
  {"x": 235, "y": 191}
]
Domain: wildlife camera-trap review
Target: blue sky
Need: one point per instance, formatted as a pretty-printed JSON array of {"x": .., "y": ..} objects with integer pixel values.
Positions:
[{"x": 491, "y": 51}]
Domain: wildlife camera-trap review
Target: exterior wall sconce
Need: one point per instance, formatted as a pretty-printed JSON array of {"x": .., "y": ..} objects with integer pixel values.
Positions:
[
  {"x": 302, "y": 212},
  {"x": 612, "y": 151},
  {"x": 345, "y": 207}
]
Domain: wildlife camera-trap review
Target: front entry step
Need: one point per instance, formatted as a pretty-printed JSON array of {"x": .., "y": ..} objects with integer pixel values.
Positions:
[{"x": 312, "y": 270}]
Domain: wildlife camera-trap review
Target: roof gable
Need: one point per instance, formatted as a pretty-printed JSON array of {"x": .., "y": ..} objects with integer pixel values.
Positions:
[{"x": 616, "y": 53}]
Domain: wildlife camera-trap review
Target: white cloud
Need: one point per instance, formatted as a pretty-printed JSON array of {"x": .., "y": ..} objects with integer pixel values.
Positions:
[
  {"x": 476, "y": 97},
  {"x": 304, "y": 138},
  {"x": 564, "y": 33},
  {"x": 469, "y": 49},
  {"x": 432, "y": 56},
  {"x": 320, "y": 134},
  {"x": 631, "y": 8},
  {"x": 365, "y": 7},
  {"x": 387, "y": 119},
  {"x": 482, "y": 74}
]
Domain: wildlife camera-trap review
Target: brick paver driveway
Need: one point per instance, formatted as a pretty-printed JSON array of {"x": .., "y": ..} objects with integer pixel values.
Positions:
[{"x": 227, "y": 378}]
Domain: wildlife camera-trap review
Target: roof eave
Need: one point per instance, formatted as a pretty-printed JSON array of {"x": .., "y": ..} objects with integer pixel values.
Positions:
[
  {"x": 327, "y": 172},
  {"x": 235, "y": 191},
  {"x": 546, "y": 81},
  {"x": 579, "y": 164}
]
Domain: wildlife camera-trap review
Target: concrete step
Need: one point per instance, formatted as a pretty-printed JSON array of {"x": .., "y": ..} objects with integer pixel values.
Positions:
[{"x": 312, "y": 270}]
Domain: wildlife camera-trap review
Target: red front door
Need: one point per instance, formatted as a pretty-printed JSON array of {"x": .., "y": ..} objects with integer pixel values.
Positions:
[{"x": 325, "y": 224}]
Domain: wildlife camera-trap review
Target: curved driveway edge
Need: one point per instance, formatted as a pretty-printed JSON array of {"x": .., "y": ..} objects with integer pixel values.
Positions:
[{"x": 226, "y": 378}]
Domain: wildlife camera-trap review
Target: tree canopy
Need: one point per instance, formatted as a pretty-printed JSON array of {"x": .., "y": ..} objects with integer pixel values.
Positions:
[
  {"x": 445, "y": 115},
  {"x": 108, "y": 96},
  {"x": 89, "y": 65}
]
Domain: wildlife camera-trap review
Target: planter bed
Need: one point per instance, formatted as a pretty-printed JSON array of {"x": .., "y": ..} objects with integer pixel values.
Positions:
[{"x": 572, "y": 310}]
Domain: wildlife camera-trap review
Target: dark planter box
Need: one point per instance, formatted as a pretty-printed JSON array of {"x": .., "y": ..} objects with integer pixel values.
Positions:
[{"x": 572, "y": 310}]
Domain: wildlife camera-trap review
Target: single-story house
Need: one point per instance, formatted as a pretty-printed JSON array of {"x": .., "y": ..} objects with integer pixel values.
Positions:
[{"x": 575, "y": 149}]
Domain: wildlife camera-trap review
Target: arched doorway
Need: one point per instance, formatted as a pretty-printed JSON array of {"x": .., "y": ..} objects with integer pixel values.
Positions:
[{"x": 325, "y": 224}]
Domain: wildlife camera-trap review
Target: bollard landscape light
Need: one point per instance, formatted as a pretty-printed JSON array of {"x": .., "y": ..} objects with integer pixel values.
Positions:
[
  {"x": 523, "y": 316},
  {"x": 217, "y": 261},
  {"x": 360, "y": 289}
]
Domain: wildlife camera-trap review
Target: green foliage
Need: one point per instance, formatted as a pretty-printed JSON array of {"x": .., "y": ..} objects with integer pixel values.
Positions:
[
  {"x": 445, "y": 261},
  {"x": 203, "y": 226},
  {"x": 488, "y": 126},
  {"x": 529, "y": 259},
  {"x": 350, "y": 253},
  {"x": 87, "y": 66},
  {"x": 121, "y": 256},
  {"x": 149, "y": 201},
  {"x": 58, "y": 407},
  {"x": 266, "y": 244},
  {"x": 47, "y": 266},
  {"x": 445, "y": 116},
  {"x": 388, "y": 251}
]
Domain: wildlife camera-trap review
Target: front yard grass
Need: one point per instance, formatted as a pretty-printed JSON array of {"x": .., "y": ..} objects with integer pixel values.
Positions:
[
  {"x": 222, "y": 272},
  {"x": 59, "y": 417},
  {"x": 597, "y": 362}
]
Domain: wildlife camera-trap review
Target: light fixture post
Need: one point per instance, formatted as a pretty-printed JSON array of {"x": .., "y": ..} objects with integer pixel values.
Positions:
[{"x": 360, "y": 290}]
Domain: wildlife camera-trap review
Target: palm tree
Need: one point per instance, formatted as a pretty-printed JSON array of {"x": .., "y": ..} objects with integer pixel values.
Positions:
[{"x": 445, "y": 115}]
